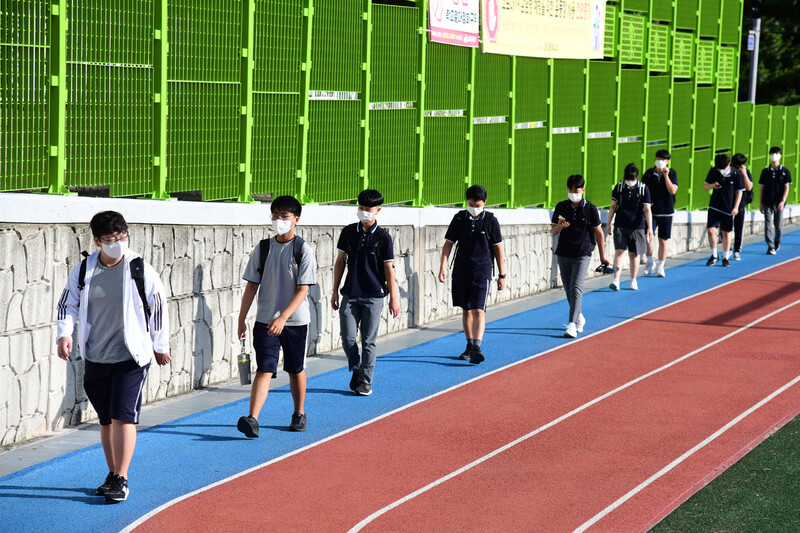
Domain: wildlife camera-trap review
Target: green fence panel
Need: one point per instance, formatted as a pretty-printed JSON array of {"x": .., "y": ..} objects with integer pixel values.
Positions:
[
  {"x": 744, "y": 124},
  {"x": 704, "y": 64},
  {"x": 709, "y": 18},
  {"x": 568, "y": 93},
  {"x": 334, "y": 153},
  {"x": 662, "y": 11},
  {"x": 278, "y": 31},
  {"x": 600, "y": 173},
  {"x": 686, "y": 14},
  {"x": 761, "y": 131},
  {"x": 532, "y": 75},
  {"x": 337, "y": 46},
  {"x": 777, "y": 120},
  {"x": 602, "y": 91},
  {"x": 530, "y": 164},
  {"x": 444, "y": 160},
  {"x": 492, "y": 84},
  {"x": 680, "y": 163},
  {"x": 725, "y": 125},
  {"x": 567, "y": 160},
  {"x": 658, "y": 108},
  {"x": 683, "y": 55},
  {"x": 682, "y": 112},
  {"x": 394, "y": 54},
  {"x": 24, "y": 88},
  {"x": 704, "y": 119},
  {"x": 630, "y": 152},
  {"x": 490, "y": 161},
  {"x": 632, "y": 40},
  {"x": 658, "y": 48},
  {"x": 726, "y": 68},
  {"x": 703, "y": 161},
  {"x": 610, "y": 33},
  {"x": 641, "y": 6},
  {"x": 392, "y": 153},
  {"x": 109, "y": 97},
  {"x": 731, "y": 11},
  {"x": 632, "y": 86}
]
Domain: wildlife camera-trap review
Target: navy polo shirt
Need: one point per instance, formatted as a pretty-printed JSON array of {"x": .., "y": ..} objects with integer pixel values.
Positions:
[
  {"x": 630, "y": 205},
  {"x": 722, "y": 199},
  {"x": 663, "y": 201},
  {"x": 774, "y": 180},
  {"x": 473, "y": 256},
  {"x": 574, "y": 240},
  {"x": 365, "y": 261}
]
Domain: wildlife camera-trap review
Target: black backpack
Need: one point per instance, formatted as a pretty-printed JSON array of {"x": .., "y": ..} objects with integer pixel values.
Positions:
[
  {"x": 621, "y": 184},
  {"x": 137, "y": 275},
  {"x": 586, "y": 219},
  {"x": 263, "y": 252}
]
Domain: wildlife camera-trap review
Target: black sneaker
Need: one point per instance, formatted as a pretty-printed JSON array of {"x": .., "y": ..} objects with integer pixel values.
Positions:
[
  {"x": 249, "y": 426},
  {"x": 363, "y": 389},
  {"x": 299, "y": 422},
  {"x": 725, "y": 262},
  {"x": 354, "y": 379},
  {"x": 476, "y": 355},
  {"x": 711, "y": 261},
  {"x": 102, "y": 489},
  {"x": 465, "y": 356},
  {"x": 118, "y": 491}
]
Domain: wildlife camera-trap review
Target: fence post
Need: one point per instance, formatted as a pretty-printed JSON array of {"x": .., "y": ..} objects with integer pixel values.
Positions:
[
  {"x": 246, "y": 102},
  {"x": 57, "y": 98},
  {"x": 470, "y": 117},
  {"x": 512, "y": 119},
  {"x": 305, "y": 87},
  {"x": 692, "y": 127},
  {"x": 366, "y": 82},
  {"x": 160, "y": 65},
  {"x": 548, "y": 182},
  {"x": 422, "y": 62}
]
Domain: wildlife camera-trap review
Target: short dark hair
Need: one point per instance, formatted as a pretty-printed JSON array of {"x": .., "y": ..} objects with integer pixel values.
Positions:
[
  {"x": 107, "y": 222},
  {"x": 370, "y": 198},
  {"x": 722, "y": 161},
  {"x": 631, "y": 171},
  {"x": 739, "y": 160},
  {"x": 775, "y": 150},
  {"x": 286, "y": 203},
  {"x": 663, "y": 154},
  {"x": 575, "y": 181},
  {"x": 476, "y": 192}
]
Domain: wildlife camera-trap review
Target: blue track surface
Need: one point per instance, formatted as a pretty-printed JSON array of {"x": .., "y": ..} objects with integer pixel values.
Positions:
[{"x": 186, "y": 454}]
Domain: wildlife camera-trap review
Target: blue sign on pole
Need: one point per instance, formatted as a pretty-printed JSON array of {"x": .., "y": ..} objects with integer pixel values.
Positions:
[{"x": 751, "y": 42}]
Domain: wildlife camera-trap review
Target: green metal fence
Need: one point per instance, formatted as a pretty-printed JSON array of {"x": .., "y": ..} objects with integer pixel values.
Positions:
[{"x": 321, "y": 99}]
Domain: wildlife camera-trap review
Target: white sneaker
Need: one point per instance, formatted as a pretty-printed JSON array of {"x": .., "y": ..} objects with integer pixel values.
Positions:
[
  {"x": 737, "y": 256},
  {"x": 660, "y": 272},
  {"x": 634, "y": 285},
  {"x": 580, "y": 323},
  {"x": 650, "y": 268},
  {"x": 571, "y": 331},
  {"x": 614, "y": 285}
]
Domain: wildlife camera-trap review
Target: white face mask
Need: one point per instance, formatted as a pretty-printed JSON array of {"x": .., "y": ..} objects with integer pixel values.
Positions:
[
  {"x": 661, "y": 164},
  {"x": 775, "y": 157},
  {"x": 474, "y": 211},
  {"x": 365, "y": 216},
  {"x": 282, "y": 227},
  {"x": 574, "y": 196},
  {"x": 631, "y": 183},
  {"x": 725, "y": 172},
  {"x": 116, "y": 250}
]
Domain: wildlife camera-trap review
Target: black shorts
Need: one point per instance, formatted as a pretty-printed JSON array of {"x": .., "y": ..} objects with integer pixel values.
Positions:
[
  {"x": 723, "y": 221},
  {"x": 293, "y": 341},
  {"x": 470, "y": 294},
  {"x": 115, "y": 390},
  {"x": 633, "y": 240},
  {"x": 662, "y": 227}
]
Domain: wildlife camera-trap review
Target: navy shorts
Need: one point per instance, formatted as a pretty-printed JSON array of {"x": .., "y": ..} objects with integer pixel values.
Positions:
[
  {"x": 293, "y": 341},
  {"x": 662, "y": 227},
  {"x": 723, "y": 221},
  {"x": 115, "y": 389},
  {"x": 470, "y": 294}
]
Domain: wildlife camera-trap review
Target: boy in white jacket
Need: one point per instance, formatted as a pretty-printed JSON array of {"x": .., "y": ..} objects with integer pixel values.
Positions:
[{"x": 119, "y": 304}]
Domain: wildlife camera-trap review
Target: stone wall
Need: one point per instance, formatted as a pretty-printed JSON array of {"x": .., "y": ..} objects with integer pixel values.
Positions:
[{"x": 201, "y": 267}]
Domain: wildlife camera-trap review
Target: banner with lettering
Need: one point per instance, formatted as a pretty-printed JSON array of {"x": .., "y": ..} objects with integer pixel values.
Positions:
[
  {"x": 571, "y": 29},
  {"x": 454, "y": 21}
]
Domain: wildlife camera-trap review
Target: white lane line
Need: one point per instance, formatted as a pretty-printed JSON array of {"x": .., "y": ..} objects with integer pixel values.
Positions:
[
  {"x": 682, "y": 458},
  {"x": 174, "y": 501},
  {"x": 426, "y": 488}
]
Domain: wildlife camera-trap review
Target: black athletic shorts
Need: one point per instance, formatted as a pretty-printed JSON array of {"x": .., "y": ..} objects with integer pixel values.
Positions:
[
  {"x": 723, "y": 221},
  {"x": 293, "y": 341},
  {"x": 115, "y": 389},
  {"x": 662, "y": 227},
  {"x": 470, "y": 294}
]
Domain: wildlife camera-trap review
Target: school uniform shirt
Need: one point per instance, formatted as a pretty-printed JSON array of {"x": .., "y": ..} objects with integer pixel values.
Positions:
[
  {"x": 141, "y": 337},
  {"x": 774, "y": 181},
  {"x": 279, "y": 280},
  {"x": 663, "y": 202},
  {"x": 365, "y": 260},
  {"x": 474, "y": 255},
  {"x": 630, "y": 205},
  {"x": 575, "y": 239},
  {"x": 722, "y": 199},
  {"x": 743, "y": 201}
]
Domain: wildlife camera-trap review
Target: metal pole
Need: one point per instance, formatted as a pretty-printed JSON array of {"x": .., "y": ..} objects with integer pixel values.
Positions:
[{"x": 754, "y": 60}]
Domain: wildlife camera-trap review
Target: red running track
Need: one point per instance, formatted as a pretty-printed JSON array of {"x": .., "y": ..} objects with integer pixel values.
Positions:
[{"x": 610, "y": 427}]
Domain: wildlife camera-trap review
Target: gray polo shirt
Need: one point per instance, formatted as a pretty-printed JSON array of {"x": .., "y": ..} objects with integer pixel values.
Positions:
[
  {"x": 280, "y": 279},
  {"x": 105, "y": 341}
]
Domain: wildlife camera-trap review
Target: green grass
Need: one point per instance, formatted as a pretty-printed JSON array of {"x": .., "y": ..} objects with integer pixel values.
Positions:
[{"x": 760, "y": 493}]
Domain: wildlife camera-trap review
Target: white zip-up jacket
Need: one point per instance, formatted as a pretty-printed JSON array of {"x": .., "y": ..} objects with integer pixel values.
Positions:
[{"x": 141, "y": 339}]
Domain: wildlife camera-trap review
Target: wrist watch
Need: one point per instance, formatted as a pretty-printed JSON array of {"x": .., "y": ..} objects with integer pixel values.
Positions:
[{"x": 501, "y": 276}]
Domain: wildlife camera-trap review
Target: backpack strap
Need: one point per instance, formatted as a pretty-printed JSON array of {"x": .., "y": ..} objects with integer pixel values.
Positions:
[
  {"x": 137, "y": 275},
  {"x": 263, "y": 252},
  {"x": 586, "y": 220},
  {"x": 297, "y": 248},
  {"x": 82, "y": 271}
]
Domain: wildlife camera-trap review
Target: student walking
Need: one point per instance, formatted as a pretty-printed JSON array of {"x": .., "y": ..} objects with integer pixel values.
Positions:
[
  {"x": 280, "y": 271},
  {"x": 477, "y": 233},
  {"x": 119, "y": 304},
  {"x": 662, "y": 182},
  {"x": 774, "y": 183},
  {"x": 727, "y": 185},
  {"x": 366, "y": 250},
  {"x": 633, "y": 227},
  {"x": 738, "y": 163},
  {"x": 576, "y": 221}
]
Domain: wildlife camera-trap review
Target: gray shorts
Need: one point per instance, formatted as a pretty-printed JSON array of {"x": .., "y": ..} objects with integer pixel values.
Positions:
[{"x": 632, "y": 240}]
